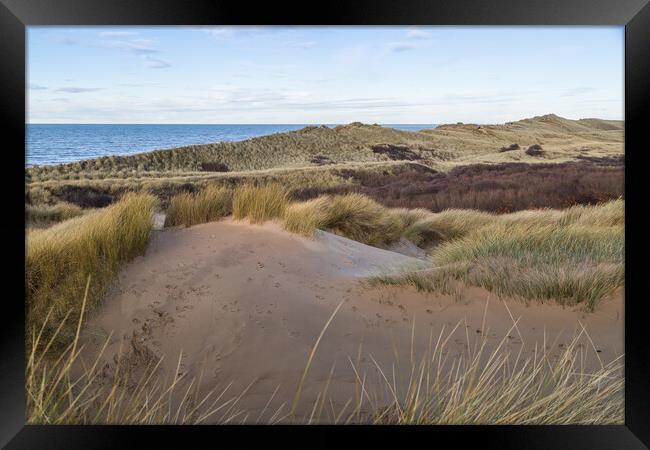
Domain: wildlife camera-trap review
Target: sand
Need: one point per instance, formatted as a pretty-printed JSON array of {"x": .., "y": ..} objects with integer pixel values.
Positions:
[{"x": 245, "y": 305}]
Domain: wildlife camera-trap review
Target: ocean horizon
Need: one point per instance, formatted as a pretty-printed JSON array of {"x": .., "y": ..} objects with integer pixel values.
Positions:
[{"x": 63, "y": 143}]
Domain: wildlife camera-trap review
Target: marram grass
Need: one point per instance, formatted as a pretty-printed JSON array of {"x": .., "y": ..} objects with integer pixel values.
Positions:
[
  {"x": 352, "y": 215},
  {"x": 209, "y": 204},
  {"x": 44, "y": 214},
  {"x": 61, "y": 258},
  {"x": 575, "y": 256},
  {"x": 259, "y": 203}
]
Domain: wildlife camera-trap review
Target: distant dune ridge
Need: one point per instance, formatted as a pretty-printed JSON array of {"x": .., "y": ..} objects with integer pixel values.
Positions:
[
  {"x": 563, "y": 139},
  {"x": 409, "y": 166}
]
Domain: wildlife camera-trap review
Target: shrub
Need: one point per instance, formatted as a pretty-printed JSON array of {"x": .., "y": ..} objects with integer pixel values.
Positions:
[
  {"x": 214, "y": 167},
  {"x": 207, "y": 205},
  {"x": 499, "y": 188},
  {"x": 259, "y": 203},
  {"x": 535, "y": 150},
  {"x": 509, "y": 148}
]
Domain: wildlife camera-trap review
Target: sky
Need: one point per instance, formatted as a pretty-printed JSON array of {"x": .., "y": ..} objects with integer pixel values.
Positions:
[{"x": 322, "y": 75}]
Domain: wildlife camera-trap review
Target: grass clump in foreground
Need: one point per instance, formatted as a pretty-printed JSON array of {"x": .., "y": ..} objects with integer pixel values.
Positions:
[
  {"x": 575, "y": 256},
  {"x": 51, "y": 213},
  {"x": 259, "y": 203},
  {"x": 69, "y": 390},
  {"x": 207, "y": 205},
  {"x": 501, "y": 386},
  {"x": 61, "y": 258}
]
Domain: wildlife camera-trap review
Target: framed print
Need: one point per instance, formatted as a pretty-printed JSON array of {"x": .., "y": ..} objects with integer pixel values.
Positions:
[{"x": 269, "y": 220}]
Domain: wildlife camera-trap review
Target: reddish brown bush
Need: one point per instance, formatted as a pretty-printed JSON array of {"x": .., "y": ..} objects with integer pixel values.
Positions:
[
  {"x": 535, "y": 150},
  {"x": 214, "y": 167},
  {"x": 396, "y": 152},
  {"x": 497, "y": 188}
]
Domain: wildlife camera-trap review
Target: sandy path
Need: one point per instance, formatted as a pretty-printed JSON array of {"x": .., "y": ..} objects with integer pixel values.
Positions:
[{"x": 246, "y": 303}]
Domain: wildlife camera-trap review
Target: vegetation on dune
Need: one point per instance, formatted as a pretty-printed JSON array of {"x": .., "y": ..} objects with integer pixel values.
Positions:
[
  {"x": 259, "y": 203},
  {"x": 573, "y": 256},
  {"x": 207, "y": 205},
  {"x": 495, "y": 188},
  {"x": 563, "y": 140},
  {"x": 353, "y": 215},
  {"x": 306, "y": 217},
  {"x": 501, "y": 188},
  {"x": 44, "y": 214},
  {"x": 290, "y": 149},
  {"x": 60, "y": 259}
]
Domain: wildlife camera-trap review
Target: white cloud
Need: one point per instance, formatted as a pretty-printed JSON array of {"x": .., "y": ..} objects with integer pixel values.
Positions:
[
  {"x": 77, "y": 90},
  {"x": 105, "y": 34},
  {"x": 35, "y": 87},
  {"x": 416, "y": 33},
  {"x": 135, "y": 46},
  {"x": 301, "y": 45},
  {"x": 67, "y": 41},
  {"x": 401, "y": 46},
  {"x": 230, "y": 32},
  {"x": 157, "y": 63}
]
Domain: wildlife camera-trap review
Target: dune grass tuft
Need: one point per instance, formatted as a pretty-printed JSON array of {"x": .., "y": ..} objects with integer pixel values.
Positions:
[
  {"x": 259, "y": 203},
  {"x": 207, "y": 205},
  {"x": 43, "y": 214},
  {"x": 574, "y": 256},
  {"x": 306, "y": 217},
  {"x": 353, "y": 215},
  {"x": 61, "y": 258}
]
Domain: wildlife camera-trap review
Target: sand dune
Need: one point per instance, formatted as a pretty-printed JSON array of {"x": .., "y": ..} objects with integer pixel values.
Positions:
[{"x": 245, "y": 304}]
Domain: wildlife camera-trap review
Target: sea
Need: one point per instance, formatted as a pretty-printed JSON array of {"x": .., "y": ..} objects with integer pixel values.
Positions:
[{"x": 55, "y": 143}]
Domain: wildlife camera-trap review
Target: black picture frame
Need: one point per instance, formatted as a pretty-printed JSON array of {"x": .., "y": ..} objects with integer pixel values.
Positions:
[{"x": 16, "y": 15}]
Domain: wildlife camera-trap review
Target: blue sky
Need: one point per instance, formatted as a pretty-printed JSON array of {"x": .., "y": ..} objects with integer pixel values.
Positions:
[{"x": 322, "y": 74}]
